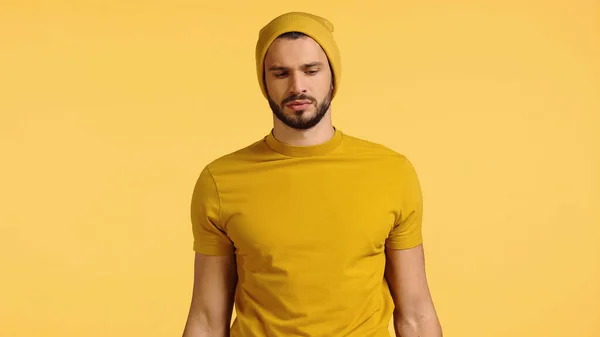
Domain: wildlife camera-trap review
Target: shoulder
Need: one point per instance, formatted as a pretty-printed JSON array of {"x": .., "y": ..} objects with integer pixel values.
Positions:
[
  {"x": 365, "y": 147},
  {"x": 385, "y": 161},
  {"x": 236, "y": 159}
]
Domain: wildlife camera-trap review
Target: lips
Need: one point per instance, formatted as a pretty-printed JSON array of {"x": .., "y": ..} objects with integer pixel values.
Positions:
[
  {"x": 299, "y": 105},
  {"x": 299, "y": 102}
]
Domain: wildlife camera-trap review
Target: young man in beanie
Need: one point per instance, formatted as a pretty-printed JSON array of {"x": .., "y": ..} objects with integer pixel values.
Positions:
[{"x": 308, "y": 231}]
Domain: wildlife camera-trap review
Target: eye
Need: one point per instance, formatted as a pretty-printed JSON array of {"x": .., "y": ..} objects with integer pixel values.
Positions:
[
  {"x": 280, "y": 75},
  {"x": 312, "y": 72}
]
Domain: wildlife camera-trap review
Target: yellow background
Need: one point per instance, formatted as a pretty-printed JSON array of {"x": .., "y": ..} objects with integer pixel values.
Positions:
[{"x": 109, "y": 110}]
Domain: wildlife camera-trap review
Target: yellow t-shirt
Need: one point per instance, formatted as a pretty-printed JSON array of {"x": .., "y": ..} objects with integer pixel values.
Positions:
[{"x": 308, "y": 227}]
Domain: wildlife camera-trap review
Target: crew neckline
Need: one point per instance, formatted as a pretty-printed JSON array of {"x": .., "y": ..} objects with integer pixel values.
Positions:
[{"x": 304, "y": 151}]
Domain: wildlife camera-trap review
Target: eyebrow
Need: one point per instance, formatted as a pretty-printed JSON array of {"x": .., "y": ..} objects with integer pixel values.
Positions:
[{"x": 307, "y": 65}]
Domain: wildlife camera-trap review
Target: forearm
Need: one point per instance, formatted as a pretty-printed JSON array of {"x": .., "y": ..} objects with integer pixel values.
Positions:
[{"x": 417, "y": 325}]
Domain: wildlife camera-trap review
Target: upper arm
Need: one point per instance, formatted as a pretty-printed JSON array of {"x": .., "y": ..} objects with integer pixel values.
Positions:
[
  {"x": 205, "y": 211},
  {"x": 406, "y": 231},
  {"x": 215, "y": 272},
  {"x": 212, "y": 296},
  {"x": 405, "y": 266},
  {"x": 414, "y": 314},
  {"x": 406, "y": 277}
]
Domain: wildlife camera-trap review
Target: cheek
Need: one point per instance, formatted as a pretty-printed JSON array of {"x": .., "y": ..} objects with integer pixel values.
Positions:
[
  {"x": 322, "y": 87},
  {"x": 323, "y": 92},
  {"x": 275, "y": 90}
]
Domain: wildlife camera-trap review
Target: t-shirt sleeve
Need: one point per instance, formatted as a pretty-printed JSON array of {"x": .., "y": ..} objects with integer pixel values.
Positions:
[
  {"x": 407, "y": 229},
  {"x": 208, "y": 234}
]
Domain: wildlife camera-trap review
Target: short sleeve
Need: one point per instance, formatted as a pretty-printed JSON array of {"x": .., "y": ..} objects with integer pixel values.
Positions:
[
  {"x": 209, "y": 236},
  {"x": 407, "y": 230}
]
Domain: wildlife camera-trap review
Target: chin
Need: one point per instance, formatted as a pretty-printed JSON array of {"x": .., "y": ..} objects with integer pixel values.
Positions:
[
  {"x": 306, "y": 112},
  {"x": 302, "y": 113}
]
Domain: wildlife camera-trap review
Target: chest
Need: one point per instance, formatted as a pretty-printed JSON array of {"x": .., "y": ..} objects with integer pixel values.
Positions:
[{"x": 341, "y": 215}]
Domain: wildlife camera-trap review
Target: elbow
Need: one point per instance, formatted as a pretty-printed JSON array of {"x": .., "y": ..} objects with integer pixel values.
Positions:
[
  {"x": 202, "y": 326},
  {"x": 425, "y": 324}
]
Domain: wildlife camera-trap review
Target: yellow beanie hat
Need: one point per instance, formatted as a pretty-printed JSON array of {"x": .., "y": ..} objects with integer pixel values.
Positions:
[{"x": 318, "y": 28}]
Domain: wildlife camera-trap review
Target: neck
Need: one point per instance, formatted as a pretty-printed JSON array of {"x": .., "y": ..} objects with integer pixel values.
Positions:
[{"x": 319, "y": 134}]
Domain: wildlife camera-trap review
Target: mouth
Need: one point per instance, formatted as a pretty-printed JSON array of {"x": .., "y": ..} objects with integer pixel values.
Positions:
[{"x": 299, "y": 105}]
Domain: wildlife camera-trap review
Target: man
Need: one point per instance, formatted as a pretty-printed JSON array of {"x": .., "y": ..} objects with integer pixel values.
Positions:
[{"x": 309, "y": 231}]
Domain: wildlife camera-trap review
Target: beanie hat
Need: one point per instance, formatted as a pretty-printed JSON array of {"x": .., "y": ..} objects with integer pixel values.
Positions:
[{"x": 318, "y": 28}]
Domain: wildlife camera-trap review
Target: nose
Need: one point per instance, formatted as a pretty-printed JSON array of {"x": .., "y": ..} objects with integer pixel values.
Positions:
[{"x": 297, "y": 84}]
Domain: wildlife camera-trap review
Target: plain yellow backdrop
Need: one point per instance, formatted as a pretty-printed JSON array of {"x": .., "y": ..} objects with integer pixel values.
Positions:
[{"x": 109, "y": 110}]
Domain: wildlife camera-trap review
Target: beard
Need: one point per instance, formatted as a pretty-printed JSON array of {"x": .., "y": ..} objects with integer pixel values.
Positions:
[{"x": 300, "y": 120}]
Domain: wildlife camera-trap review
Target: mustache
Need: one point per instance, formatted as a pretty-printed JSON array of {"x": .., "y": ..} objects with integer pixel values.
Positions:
[{"x": 298, "y": 97}]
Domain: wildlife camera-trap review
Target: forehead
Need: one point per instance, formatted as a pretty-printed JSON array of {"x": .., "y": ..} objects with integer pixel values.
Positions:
[{"x": 292, "y": 53}]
